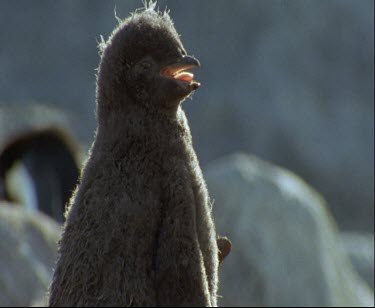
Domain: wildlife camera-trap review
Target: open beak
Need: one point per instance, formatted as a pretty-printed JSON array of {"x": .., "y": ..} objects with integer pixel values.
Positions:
[{"x": 178, "y": 70}]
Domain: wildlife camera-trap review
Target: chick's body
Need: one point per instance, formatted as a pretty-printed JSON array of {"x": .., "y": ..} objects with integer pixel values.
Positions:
[{"x": 139, "y": 231}]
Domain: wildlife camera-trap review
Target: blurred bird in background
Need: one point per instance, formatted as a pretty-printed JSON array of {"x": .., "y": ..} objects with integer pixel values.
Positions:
[{"x": 39, "y": 169}]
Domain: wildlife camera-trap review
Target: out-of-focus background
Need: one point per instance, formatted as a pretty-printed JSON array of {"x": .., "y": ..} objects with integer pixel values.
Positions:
[{"x": 287, "y": 85}]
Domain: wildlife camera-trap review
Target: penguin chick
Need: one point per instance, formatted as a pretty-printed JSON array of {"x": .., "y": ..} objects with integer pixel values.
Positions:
[
  {"x": 48, "y": 157},
  {"x": 139, "y": 230}
]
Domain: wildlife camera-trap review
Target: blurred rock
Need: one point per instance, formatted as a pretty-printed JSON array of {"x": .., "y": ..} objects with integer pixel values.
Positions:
[
  {"x": 27, "y": 255},
  {"x": 286, "y": 250},
  {"x": 17, "y": 119},
  {"x": 360, "y": 247}
]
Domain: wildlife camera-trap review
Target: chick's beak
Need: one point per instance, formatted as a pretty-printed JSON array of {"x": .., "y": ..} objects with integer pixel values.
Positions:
[
  {"x": 178, "y": 70},
  {"x": 189, "y": 60}
]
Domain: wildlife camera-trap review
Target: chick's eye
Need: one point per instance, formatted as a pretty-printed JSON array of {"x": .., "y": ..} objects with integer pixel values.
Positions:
[{"x": 146, "y": 65}]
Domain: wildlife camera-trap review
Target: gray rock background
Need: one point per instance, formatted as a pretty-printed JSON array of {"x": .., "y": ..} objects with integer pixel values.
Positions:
[
  {"x": 360, "y": 249},
  {"x": 290, "y": 81},
  {"x": 286, "y": 249},
  {"x": 16, "y": 119},
  {"x": 27, "y": 255}
]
